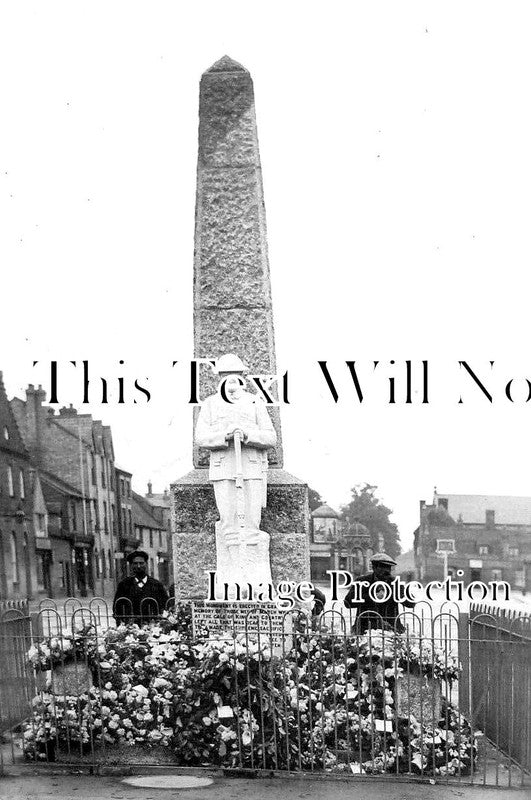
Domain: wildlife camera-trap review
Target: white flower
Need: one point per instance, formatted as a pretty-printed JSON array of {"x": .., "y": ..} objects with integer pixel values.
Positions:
[{"x": 140, "y": 690}]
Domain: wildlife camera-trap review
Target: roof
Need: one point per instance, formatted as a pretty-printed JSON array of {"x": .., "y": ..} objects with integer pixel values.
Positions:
[
  {"x": 325, "y": 512},
  {"x": 142, "y": 514},
  {"x": 159, "y": 500},
  {"x": 471, "y": 508}
]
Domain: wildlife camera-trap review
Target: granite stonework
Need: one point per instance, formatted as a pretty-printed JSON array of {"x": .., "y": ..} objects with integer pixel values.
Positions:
[
  {"x": 232, "y": 291},
  {"x": 233, "y": 314},
  {"x": 194, "y": 514}
]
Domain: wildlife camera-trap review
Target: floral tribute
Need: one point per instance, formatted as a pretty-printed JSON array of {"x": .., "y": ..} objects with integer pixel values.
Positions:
[{"x": 328, "y": 704}]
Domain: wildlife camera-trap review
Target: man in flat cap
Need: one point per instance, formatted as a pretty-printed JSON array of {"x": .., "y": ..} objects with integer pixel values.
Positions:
[
  {"x": 235, "y": 426},
  {"x": 371, "y": 613},
  {"x": 139, "y": 598}
]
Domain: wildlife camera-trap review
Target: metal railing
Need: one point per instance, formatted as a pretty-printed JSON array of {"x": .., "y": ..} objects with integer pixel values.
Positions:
[{"x": 308, "y": 695}]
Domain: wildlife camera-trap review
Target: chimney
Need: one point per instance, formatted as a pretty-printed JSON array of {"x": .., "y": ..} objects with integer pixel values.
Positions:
[
  {"x": 68, "y": 412},
  {"x": 34, "y": 420}
]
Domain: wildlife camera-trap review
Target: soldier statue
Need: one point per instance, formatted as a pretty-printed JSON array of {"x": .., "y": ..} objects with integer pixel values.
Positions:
[{"x": 235, "y": 426}]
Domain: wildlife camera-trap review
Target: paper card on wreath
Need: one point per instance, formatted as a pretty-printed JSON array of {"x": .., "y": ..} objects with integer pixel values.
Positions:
[{"x": 384, "y": 725}]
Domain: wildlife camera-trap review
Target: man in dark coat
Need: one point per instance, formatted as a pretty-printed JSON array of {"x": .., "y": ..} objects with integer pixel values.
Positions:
[
  {"x": 371, "y": 613},
  {"x": 139, "y": 598}
]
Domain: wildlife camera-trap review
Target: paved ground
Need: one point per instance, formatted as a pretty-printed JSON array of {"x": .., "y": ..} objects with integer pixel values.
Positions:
[{"x": 86, "y": 787}]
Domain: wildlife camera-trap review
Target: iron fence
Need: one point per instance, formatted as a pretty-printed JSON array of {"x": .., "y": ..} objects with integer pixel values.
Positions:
[{"x": 446, "y": 700}]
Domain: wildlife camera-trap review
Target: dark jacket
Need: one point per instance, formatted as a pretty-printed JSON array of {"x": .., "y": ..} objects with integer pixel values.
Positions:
[
  {"x": 375, "y": 615},
  {"x": 133, "y": 603}
]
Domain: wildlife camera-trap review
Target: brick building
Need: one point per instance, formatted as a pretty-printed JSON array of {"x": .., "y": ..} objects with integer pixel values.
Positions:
[
  {"x": 127, "y": 537},
  {"x": 161, "y": 504},
  {"x": 78, "y": 451},
  {"x": 487, "y": 536},
  {"x": 152, "y": 535},
  {"x": 18, "y": 574},
  {"x": 65, "y": 551}
]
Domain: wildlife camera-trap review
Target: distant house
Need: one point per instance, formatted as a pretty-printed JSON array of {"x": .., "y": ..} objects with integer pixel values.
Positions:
[
  {"x": 487, "y": 538},
  {"x": 336, "y": 546},
  {"x": 152, "y": 536},
  {"x": 18, "y": 573},
  {"x": 162, "y": 504}
]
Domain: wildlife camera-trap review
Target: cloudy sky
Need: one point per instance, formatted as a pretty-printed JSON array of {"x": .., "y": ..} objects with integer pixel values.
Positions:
[{"x": 395, "y": 150}]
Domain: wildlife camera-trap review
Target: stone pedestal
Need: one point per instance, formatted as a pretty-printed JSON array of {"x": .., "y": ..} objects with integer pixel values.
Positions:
[
  {"x": 194, "y": 515},
  {"x": 71, "y": 680},
  {"x": 420, "y": 697}
]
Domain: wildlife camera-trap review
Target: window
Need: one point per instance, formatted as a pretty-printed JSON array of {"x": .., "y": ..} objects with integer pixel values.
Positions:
[
  {"x": 496, "y": 575},
  {"x": 151, "y": 567},
  {"x": 160, "y": 539},
  {"x": 513, "y": 551},
  {"x": 74, "y": 515},
  {"x": 21, "y": 484},
  {"x": 41, "y": 525},
  {"x": 483, "y": 550},
  {"x": 97, "y": 560},
  {"x": 130, "y": 521},
  {"x": 122, "y": 487},
  {"x": 10, "y": 484},
  {"x": 110, "y": 565},
  {"x": 41, "y": 570},
  {"x": 103, "y": 472},
  {"x": 151, "y": 538},
  {"x": 103, "y": 565},
  {"x": 14, "y": 559},
  {"x": 93, "y": 469},
  {"x": 6, "y": 433},
  {"x": 105, "y": 521}
]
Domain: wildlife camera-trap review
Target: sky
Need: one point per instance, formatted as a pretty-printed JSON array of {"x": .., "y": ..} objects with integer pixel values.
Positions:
[{"x": 394, "y": 140}]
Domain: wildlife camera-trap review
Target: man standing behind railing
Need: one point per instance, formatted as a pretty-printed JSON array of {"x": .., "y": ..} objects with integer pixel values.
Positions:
[
  {"x": 139, "y": 598},
  {"x": 370, "y": 612}
]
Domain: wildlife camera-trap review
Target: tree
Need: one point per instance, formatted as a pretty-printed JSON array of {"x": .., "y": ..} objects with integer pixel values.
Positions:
[
  {"x": 314, "y": 499},
  {"x": 365, "y": 507}
]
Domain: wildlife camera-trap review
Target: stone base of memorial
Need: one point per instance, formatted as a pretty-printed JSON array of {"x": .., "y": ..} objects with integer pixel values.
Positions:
[
  {"x": 71, "y": 679},
  {"x": 116, "y": 755},
  {"x": 194, "y": 517},
  {"x": 418, "y": 696}
]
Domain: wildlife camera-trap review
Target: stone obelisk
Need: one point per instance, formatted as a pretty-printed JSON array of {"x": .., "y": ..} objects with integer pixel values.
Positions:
[{"x": 233, "y": 314}]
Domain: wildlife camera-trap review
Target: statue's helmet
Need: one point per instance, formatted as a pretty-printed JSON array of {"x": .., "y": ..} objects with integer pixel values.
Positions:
[{"x": 230, "y": 363}]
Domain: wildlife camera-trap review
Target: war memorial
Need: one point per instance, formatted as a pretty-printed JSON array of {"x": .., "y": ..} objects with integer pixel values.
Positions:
[{"x": 233, "y": 682}]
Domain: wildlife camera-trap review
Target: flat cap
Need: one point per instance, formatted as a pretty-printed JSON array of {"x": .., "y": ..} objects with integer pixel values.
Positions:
[
  {"x": 382, "y": 558},
  {"x": 137, "y": 554}
]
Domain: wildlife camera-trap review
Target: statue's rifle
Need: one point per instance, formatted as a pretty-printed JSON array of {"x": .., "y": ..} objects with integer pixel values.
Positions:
[{"x": 240, "y": 494}]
